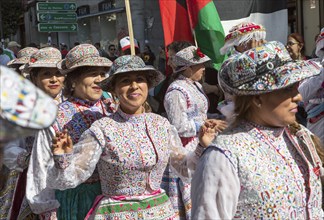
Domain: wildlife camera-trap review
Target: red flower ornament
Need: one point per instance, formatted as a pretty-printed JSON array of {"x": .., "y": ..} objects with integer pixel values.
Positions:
[
  {"x": 198, "y": 54},
  {"x": 33, "y": 60}
]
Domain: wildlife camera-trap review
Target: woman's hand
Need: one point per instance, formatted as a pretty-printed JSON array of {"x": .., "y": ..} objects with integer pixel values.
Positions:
[
  {"x": 209, "y": 131},
  {"x": 218, "y": 125},
  {"x": 62, "y": 143}
]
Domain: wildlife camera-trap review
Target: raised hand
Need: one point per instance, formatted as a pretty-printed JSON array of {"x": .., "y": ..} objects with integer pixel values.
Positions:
[
  {"x": 62, "y": 143},
  {"x": 209, "y": 131},
  {"x": 217, "y": 125}
]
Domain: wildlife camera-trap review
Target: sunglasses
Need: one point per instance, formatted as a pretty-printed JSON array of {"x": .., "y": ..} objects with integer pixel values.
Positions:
[
  {"x": 113, "y": 49},
  {"x": 290, "y": 43}
]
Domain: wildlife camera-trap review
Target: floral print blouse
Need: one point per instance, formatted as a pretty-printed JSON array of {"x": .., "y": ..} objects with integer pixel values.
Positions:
[{"x": 260, "y": 173}]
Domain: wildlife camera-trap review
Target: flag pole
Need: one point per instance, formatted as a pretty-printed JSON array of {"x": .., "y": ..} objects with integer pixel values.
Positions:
[
  {"x": 194, "y": 37},
  {"x": 130, "y": 27}
]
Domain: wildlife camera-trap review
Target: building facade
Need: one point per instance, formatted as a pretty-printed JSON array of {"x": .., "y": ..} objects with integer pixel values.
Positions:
[
  {"x": 105, "y": 21},
  {"x": 101, "y": 21}
]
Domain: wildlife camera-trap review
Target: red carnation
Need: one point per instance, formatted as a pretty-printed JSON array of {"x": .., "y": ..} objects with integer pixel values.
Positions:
[
  {"x": 33, "y": 60},
  {"x": 199, "y": 53}
]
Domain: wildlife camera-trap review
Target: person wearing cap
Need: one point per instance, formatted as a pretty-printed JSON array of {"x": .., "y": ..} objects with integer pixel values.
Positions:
[
  {"x": 83, "y": 68},
  {"x": 130, "y": 148},
  {"x": 186, "y": 106},
  {"x": 13, "y": 47},
  {"x": 264, "y": 166},
  {"x": 22, "y": 58},
  {"x": 125, "y": 45},
  {"x": 312, "y": 91},
  {"x": 24, "y": 109}
]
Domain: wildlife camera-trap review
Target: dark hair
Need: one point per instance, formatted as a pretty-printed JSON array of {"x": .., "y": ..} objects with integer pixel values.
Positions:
[
  {"x": 32, "y": 44},
  {"x": 33, "y": 73},
  {"x": 176, "y": 46},
  {"x": 148, "y": 47},
  {"x": 111, "y": 45},
  {"x": 242, "y": 108},
  {"x": 299, "y": 38}
]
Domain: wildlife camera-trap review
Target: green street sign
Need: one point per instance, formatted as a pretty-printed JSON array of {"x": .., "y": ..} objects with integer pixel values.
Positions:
[
  {"x": 56, "y": 6},
  {"x": 50, "y": 27},
  {"x": 59, "y": 17}
]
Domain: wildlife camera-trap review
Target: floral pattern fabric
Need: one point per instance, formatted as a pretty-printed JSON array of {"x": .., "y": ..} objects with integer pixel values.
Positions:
[
  {"x": 186, "y": 106},
  {"x": 76, "y": 116},
  {"x": 276, "y": 173},
  {"x": 131, "y": 153}
]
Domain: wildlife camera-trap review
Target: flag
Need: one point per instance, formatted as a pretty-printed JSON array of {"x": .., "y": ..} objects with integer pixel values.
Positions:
[
  {"x": 175, "y": 21},
  {"x": 208, "y": 29},
  {"x": 273, "y": 15}
]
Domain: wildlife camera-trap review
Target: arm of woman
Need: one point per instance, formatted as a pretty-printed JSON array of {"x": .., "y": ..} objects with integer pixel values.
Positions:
[
  {"x": 183, "y": 161},
  {"x": 215, "y": 187},
  {"x": 40, "y": 198},
  {"x": 74, "y": 168},
  {"x": 309, "y": 87},
  {"x": 15, "y": 156},
  {"x": 175, "y": 105}
]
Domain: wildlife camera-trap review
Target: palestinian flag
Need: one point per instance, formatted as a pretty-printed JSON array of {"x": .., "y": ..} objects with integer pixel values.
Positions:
[
  {"x": 208, "y": 29},
  {"x": 175, "y": 21},
  {"x": 273, "y": 15}
]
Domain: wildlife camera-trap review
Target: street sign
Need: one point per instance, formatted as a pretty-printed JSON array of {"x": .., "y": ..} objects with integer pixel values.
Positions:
[
  {"x": 59, "y": 17},
  {"x": 57, "y": 27},
  {"x": 56, "y": 6}
]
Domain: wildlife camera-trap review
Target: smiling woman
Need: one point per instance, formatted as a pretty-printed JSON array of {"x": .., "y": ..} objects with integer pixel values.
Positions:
[
  {"x": 130, "y": 148},
  {"x": 83, "y": 68},
  {"x": 44, "y": 73}
]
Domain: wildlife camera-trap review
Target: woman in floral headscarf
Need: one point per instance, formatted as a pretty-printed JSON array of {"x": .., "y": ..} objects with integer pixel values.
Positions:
[
  {"x": 186, "y": 106},
  {"x": 41, "y": 65},
  {"x": 83, "y": 68}
]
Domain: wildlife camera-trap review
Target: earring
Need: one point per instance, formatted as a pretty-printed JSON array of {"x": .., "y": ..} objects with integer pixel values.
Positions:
[
  {"x": 72, "y": 87},
  {"x": 259, "y": 105}
]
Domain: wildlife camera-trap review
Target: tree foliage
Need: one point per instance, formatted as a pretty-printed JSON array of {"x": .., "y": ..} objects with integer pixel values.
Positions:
[{"x": 10, "y": 12}]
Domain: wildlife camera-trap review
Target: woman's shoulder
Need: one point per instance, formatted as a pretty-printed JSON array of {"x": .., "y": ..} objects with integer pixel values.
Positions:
[
  {"x": 234, "y": 138},
  {"x": 178, "y": 83},
  {"x": 157, "y": 118}
]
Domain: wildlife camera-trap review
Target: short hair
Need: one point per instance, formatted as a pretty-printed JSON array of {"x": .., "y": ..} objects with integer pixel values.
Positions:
[{"x": 111, "y": 45}]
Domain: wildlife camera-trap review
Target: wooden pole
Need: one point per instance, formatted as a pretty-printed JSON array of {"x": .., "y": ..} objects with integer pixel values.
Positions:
[{"x": 130, "y": 27}]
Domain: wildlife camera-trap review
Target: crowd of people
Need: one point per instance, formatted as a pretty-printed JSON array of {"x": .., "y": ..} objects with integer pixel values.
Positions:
[{"x": 95, "y": 134}]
